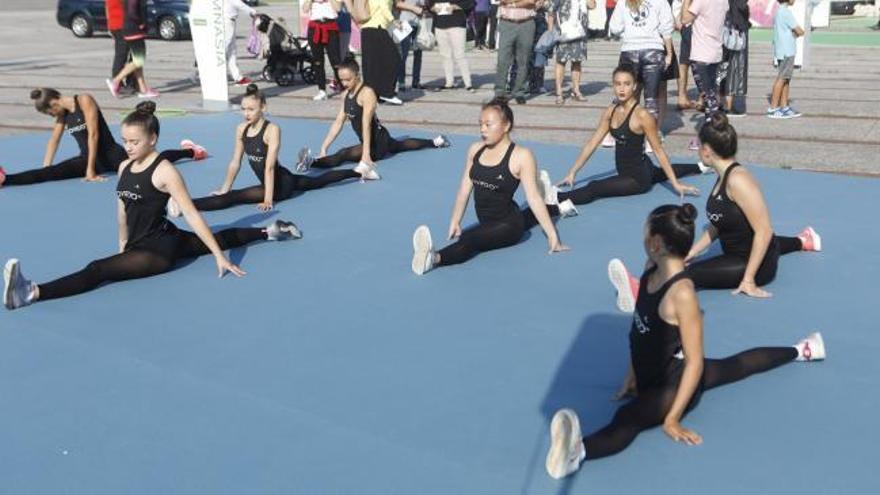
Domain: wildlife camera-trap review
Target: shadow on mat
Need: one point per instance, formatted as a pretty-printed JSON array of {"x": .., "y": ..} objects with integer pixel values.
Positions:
[
  {"x": 587, "y": 377},
  {"x": 236, "y": 255}
]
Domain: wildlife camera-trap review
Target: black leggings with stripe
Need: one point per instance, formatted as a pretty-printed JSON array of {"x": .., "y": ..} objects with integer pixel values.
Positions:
[
  {"x": 140, "y": 262},
  {"x": 75, "y": 167},
  {"x": 649, "y": 409}
]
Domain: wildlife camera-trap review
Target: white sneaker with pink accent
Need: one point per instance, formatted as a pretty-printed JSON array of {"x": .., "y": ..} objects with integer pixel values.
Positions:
[
  {"x": 810, "y": 240},
  {"x": 812, "y": 348},
  {"x": 626, "y": 285}
]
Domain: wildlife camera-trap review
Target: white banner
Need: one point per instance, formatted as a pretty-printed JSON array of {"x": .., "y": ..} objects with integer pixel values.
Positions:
[{"x": 208, "y": 28}]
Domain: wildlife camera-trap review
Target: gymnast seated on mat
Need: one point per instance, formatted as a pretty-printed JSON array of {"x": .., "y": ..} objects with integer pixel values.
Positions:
[
  {"x": 99, "y": 153},
  {"x": 359, "y": 107},
  {"x": 149, "y": 244},
  {"x": 668, "y": 372},
  {"x": 494, "y": 167},
  {"x": 260, "y": 141},
  {"x": 629, "y": 124},
  {"x": 738, "y": 217}
]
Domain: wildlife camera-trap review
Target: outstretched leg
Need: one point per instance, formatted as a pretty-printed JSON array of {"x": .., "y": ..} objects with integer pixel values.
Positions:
[
  {"x": 344, "y": 155},
  {"x": 680, "y": 170},
  {"x": 619, "y": 185},
  {"x": 71, "y": 168},
  {"x": 307, "y": 183},
  {"x": 248, "y": 195}
]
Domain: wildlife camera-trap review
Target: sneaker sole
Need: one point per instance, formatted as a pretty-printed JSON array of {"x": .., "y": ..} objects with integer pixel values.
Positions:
[
  {"x": 562, "y": 442},
  {"x": 10, "y": 271},
  {"x": 821, "y": 350},
  {"x": 620, "y": 280},
  {"x": 547, "y": 188},
  {"x": 422, "y": 245},
  {"x": 817, "y": 239}
]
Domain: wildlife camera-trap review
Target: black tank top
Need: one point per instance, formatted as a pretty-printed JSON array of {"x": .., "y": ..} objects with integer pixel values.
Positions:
[
  {"x": 256, "y": 151},
  {"x": 629, "y": 148},
  {"x": 110, "y": 153},
  {"x": 494, "y": 187},
  {"x": 734, "y": 231},
  {"x": 144, "y": 205},
  {"x": 655, "y": 346},
  {"x": 355, "y": 113}
]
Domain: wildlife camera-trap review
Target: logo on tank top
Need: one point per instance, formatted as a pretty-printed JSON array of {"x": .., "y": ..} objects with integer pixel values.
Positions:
[
  {"x": 128, "y": 195},
  {"x": 76, "y": 128},
  {"x": 486, "y": 185},
  {"x": 258, "y": 159},
  {"x": 714, "y": 217},
  {"x": 641, "y": 324},
  {"x": 500, "y": 177}
]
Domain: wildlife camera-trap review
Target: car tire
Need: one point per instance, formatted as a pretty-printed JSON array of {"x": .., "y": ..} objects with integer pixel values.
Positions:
[
  {"x": 169, "y": 29},
  {"x": 81, "y": 26}
]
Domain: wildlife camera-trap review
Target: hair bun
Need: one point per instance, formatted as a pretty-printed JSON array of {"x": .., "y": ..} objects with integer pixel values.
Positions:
[
  {"x": 36, "y": 94},
  {"x": 687, "y": 214},
  {"x": 719, "y": 121},
  {"x": 251, "y": 89},
  {"x": 146, "y": 107}
]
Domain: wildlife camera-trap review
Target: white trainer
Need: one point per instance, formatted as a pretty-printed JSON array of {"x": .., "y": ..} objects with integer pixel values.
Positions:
[
  {"x": 172, "y": 208},
  {"x": 548, "y": 190},
  {"x": 622, "y": 282},
  {"x": 304, "y": 160},
  {"x": 812, "y": 348},
  {"x": 367, "y": 171},
  {"x": 423, "y": 250},
  {"x": 566, "y": 445},
  {"x": 567, "y": 209},
  {"x": 17, "y": 290}
]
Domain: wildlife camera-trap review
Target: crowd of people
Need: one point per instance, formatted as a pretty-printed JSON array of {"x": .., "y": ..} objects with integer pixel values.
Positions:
[{"x": 668, "y": 372}]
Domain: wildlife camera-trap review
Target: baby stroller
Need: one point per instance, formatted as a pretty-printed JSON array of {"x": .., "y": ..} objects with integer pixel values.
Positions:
[{"x": 287, "y": 56}]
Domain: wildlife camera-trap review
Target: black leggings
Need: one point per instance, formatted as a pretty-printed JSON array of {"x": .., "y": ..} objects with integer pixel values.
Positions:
[
  {"x": 379, "y": 151},
  {"x": 625, "y": 185},
  {"x": 726, "y": 271},
  {"x": 491, "y": 235},
  {"x": 256, "y": 194},
  {"x": 649, "y": 409},
  {"x": 140, "y": 263},
  {"x": 75, "y": 167}
]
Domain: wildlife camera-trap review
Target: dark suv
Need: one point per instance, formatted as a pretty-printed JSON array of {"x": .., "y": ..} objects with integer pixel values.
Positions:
[{"x": 166, "y": 19}]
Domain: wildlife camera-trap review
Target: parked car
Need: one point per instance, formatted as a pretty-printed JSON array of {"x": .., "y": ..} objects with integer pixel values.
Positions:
[
  {"x": 166, "y": 19},
  {"x": 847, "y": 7}
]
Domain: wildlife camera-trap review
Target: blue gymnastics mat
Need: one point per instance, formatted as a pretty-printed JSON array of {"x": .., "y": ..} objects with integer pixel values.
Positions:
[{"x": 331, "y": 368}]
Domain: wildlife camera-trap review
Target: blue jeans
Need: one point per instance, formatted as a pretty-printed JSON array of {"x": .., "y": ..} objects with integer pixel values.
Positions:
[{"x": 405, "y": 45}]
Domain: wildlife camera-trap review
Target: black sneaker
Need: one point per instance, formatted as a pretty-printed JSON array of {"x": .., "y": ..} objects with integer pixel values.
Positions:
[{"x": 520, "y": 100}]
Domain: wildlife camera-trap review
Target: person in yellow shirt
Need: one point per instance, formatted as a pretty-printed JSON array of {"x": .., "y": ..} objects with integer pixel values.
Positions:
[{"x": 380, "y": 58}]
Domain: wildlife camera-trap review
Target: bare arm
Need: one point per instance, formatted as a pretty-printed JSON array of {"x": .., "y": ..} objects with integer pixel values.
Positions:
[
  {"x": 745, "y": 191},
  {"x": 234, "y": 164},
  {"x": 402, "y": 5},
  {"x": 590, "y": 146},
  {"x": 690, "y": 323},
  {"x": 702, "y": 243},
  {"x": 335, "y": 127},
  {"x": 798, "y": 31},
  {"x": 526, "y": 169},
  {"x": 616, "y": 24},
  {"x": 54, "y": 139},
  {"x": 686, "y": 16},
  {"x": 273, "y": 142},
  {"x": 121, "y": 221},
  {"x": 359, "y": 10},
  {"x": 369, "y": 105},
  {"x": 166, "y": 178},
  {"x": 649, "y": 127},
  {"x": 464, "y": 193},
  {"x": 90, "y": 111}
]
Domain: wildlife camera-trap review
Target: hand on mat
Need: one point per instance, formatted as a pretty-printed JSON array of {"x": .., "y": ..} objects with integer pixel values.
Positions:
[
  {"x": 265, "y": 206},
  {"x": 219, "y": 192},
  {"x": 556, "y": 246},
  {"x": 224, "y": 265},
  {"x": 369, "y": 161},
  {"x": 750, "y": 289},
  {"x": 454, "y": 231},
  {"x": 681, "y": 434},
  {"x": 567, "y": 181},
  {"x": 94, "y": 178},
  {"x": 685, "y": 190}
]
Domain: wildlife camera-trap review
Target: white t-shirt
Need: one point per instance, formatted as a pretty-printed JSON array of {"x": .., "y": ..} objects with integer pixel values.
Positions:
[
  {"x": 233, "y": 7},
  {"x": 321, "y": 9}
]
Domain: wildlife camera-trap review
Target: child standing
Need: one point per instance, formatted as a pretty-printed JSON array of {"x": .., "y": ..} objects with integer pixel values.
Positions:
[{"x": 785, "y": 31}]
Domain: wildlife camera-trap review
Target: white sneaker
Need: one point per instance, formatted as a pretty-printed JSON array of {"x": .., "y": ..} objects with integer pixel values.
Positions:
[
  {"x": 567, "y": 209},
  {"x": 812, "y": 348},
  {"x": 810, "y": 240},
  {"x": 367, "y": 171},
  {"x": 392, "y": 101},
  {"x": 704, "y": 169},
  {"x": 304, "y": 160},
  {"x": 442, "y": 141},
  {"x": 547, "y": 189},
  {"x": 627, "y": 292},
  {"x": 608, "y": 141},
  {"x": 172, "y": 208},
  {"x": 17, "y": 291},
  {"x": 321, "y": 96},
  {"x": 566, "y": 445},
  {"x": 423, "y": 250},
  {"x": 648, "y": 148},
  {"x": 282, "y": 230}
]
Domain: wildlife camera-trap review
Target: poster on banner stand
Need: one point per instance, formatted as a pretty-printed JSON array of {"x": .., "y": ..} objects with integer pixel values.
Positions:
[{"x": 208, "y": 28}]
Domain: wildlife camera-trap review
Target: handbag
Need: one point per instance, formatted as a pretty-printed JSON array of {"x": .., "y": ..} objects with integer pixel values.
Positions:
[
  {"x": 425, "y": 40},
  {"x": 732, "y": 38}
]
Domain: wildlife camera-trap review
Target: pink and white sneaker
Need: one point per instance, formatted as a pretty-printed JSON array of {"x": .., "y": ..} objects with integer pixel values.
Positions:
[
  {"x": 812, "y": 348},
  {"x": 626, "y": 285},
  {"x": 810, "y": 240},
  {"x": 2, "y": 176},
  {"x": 113, "y": 86},
  {"x": 199, "y": 151},
  {"x": 149, "y": 93}
]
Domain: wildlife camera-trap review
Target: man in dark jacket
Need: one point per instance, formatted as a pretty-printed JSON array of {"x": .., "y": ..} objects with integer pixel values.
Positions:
[{"x": 134, "y": 32}]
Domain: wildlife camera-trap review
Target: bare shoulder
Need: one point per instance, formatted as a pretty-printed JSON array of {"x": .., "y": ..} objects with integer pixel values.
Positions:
[
  {"x": 474, "y": 148},
  {"x": 239, "y": 129}
]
